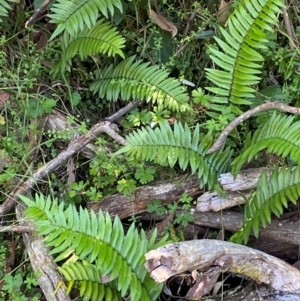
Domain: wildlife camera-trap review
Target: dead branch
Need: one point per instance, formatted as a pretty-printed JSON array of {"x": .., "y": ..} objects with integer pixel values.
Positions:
[
  {"x": 233, "y": 124},
  {"x": 212, "y": 201},
  {"x": 289, "y": 28},
  {"x": 235, "y": 190},
  {"x": 213, "y": 257},
  {"x": 17, "y": 228},
  {"x": 50, "y": 281},
  {"x": 74, "y": 146},
  {"x": 38, "y": 13}
]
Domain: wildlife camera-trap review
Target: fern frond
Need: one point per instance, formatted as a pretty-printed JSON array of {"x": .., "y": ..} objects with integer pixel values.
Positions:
[
  {"x": 138, "y": 80},
  {"x": 238, "y": 59},
  {"x": 279, "y": 135},
  {"x": 98, "y": 241},
  {"x": 89, "y": 280},
  {"x": 272, "y": 194},
  {"x": 74, "y": 15},
  {"x": 102, "y": 38},
  {"x": 179, "y": 145},
  {"x": 4, "y": 8}
]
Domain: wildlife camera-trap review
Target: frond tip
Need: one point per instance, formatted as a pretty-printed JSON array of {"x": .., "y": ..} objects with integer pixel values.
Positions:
[
  {"x": 102, "y": 38},
  {"x": 239, "y": 60},
  {"x": 74, "y": 15},
  {"x": 279, "y": 135}
]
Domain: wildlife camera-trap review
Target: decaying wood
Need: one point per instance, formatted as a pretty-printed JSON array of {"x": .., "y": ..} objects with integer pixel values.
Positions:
[
  {"x": 212, "y": 201},
  {"x": 166, "y": 191},
  {"x": 283, "y": 231},
  {"x": 50, "y": 281},
  {"x": 253, "y": 293},
  {"x": 245, "y": 182},
  {"x": 214, "y": 256}
]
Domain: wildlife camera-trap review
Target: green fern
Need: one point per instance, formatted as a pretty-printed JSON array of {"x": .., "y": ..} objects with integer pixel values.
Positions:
[
  {"x": 4, "y": 8},
  {"x": 138, "y": 80},
  {"x": 239, "y": 60},
  {"x": 279, "y": 135},
  {"x": 179, "y": 145},
  {"x": 73, "y": 16},
  {"x": 97, "y": 247},
  {"x": 272, "y": 194},
  {"x": 86, "y": 276},
  {"x": 101, "y": 38}
]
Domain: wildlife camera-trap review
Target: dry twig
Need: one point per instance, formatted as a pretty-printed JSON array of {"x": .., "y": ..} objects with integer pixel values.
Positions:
[
  {"x": 233, "y": 124},
  {"x": 74, "y": 147}
]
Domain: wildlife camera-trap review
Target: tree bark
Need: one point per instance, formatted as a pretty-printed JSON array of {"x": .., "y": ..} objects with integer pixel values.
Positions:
[
  {"x": 213, "y": 257},
  {"x": 166, "y": 191}
]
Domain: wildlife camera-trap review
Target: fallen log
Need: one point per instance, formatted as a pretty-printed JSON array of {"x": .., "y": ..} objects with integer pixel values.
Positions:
[
  {"x": 279, "y": 230},
  {"x": 206, "y": 259},
  {"x": 245, "y": 182},
  {"x": 166, "y": 191},
  {"x": 49, "y": 279}
]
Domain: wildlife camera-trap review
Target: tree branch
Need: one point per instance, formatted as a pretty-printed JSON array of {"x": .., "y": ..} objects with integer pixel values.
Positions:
[
  {"x": 74, "y": 146},
  {"x": 233, "y": 124}
]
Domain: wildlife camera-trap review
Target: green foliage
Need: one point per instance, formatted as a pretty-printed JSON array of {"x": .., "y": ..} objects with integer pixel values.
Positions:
[
  {"x": 18, "y": 285},
  {"x": 272, "y": 195},
  {"x": 74, "y": 16},
  {"x": 239, "y": 61},
  {"x": 156, "y": 207},
  {"x": 19, "y": 288},
  {"x": 184, "y": 219},
  {"x": 101, "y": 38},
  {"x": 186, "y": 201},
  {"x": 145, "y": 175},
  {"x": 4, "y": 8},
  {"x": 96, "y": 247},
  {"x": 39, "y": 108},
  {"x": 279, "y": 135},
  {"x": 165, "y": 145},
  {"x": 136, "y": 80},
  {"x": 126, "y": 187}
]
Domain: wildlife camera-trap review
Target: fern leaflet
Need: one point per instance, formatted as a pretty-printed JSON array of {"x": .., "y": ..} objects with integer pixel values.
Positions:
[
  {"x": 138, "y": 80},
  {"x": 4, "y": 8},
  {"x": 98, "y": 242},
  {"x": 272, "y": 194},
  {"x": 279, "y": 135},
  {"x": 239, "y": 61},
  {"x": 179, "y": 145},
  {"x": 74, "y": 15},
  {"x": 101, "y": 38}
]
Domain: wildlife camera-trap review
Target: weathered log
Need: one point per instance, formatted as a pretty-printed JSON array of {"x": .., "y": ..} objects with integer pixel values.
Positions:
[
  {"x": 283, "y": 231},
  {"x": 212, "y": 257},
  {"x": 50, "y": 281},
  {"x": 167, "y": 191},
  {"x": 245, "y": 181}
]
